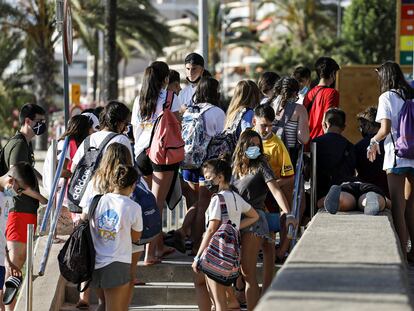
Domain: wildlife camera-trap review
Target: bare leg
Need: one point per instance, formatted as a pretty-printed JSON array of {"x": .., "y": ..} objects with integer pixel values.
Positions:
[
  {"x": 218, "y": 293},
  {"x": 409, "y": 209},
  {"x": 250, "y": 249},
  {"x": 190, "y": 192},
  {"x": 347, "y": 202},
  {"x": 101, "y": 299},
  {"x": 117, "y": 298},
  {"x": 197, "y": 229},
  {"x": 202, "y": 296},
  {"x": 161, "y": 182},
  {"x": 17, "y": 253},
  {"x": 396, "y": 185},
  {"x": 134, "y": 262},
  {"x": 268, "y": 264}
]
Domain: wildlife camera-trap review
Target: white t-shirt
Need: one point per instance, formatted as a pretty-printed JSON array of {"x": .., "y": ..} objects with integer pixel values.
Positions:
[
  {"x": 95, "y": 140},
  {"x": 236, "y": 206},
  {"x": 111, "y": 226},
  {"x": 214, "y": 119},
  {"x": 142, "y": 129},
  {"x": 6, "y": 203},
  {"x": 185, "y": 97},
  {"x": 389, "y": 106}
]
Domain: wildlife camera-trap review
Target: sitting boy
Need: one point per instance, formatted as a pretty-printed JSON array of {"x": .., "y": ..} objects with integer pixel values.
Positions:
[{"x": 353, "y": 195}]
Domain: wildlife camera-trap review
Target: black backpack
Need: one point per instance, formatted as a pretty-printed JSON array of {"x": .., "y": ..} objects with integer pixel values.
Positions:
[
  {"x": 77, "y": 257},
  {"x": 84, "y": 172}
]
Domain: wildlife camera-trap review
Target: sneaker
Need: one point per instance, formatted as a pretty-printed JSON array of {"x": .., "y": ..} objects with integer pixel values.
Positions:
[
  {"x": 371, "y": 205},
  {"x": 331, "y": 201}
]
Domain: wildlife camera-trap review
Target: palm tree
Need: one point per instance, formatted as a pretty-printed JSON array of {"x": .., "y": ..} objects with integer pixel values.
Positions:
[
  {"x": 139, "y": 31},
  {"x": 34, "y": 21}
]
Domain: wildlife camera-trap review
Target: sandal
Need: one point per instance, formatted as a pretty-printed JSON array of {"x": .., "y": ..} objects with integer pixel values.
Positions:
[{"x": 82, "y": 305}]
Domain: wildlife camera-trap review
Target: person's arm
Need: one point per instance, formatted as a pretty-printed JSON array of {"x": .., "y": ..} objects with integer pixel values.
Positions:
[
  {"x": 278, "y": 195},
  {"x": 374, "y": 148},
  {"x": 213, "y": 225},
  {"x": 251, "y": 217},
  {"x": 135, "y": 235},
  {"x": 284, "y": 181},
  {"x": 35, "y": 195},
  {"x": 303, "y": 124}
]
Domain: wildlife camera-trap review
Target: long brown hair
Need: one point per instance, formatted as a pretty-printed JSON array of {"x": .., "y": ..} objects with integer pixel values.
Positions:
[
  {"x": 246, "y": 95},
  {"x": 391, "y": 77},
  {"x": 286, "y": 87},
  {"x": 242, "y": 165},
  {"x": 104, "y": 178}
]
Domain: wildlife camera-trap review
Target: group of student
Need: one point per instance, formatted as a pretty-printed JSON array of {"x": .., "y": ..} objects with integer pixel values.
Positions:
[{"x": 269, "y": 121}]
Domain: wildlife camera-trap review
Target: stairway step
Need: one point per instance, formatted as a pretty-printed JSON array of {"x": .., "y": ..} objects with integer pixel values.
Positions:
[
  {"x": 165, "y": 293},
  {"x": 164, "y": 308}
]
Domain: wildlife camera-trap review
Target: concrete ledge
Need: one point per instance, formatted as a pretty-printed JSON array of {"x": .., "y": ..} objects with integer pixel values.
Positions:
[{"x": 342, "y": 262}]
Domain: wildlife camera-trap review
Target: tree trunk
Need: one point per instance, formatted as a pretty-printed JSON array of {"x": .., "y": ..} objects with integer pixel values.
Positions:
[
  {"x": 44, "y": 72},
  {"x": 111, "y": 60}
]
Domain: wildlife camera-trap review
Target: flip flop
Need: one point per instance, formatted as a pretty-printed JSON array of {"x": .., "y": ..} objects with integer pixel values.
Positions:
[
  {"x": 12, "y": 286},
  {"x": 151, "y": 262},
  {"x": 82, "y": 305},
  {"x": 138, "y": 282}
]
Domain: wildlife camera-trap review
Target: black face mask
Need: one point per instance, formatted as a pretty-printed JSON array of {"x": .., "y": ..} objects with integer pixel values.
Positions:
[
  {"x": 39, "y": 128},
  {"x": 210, "y": 186},
  {"x": 195, "y": 81}
]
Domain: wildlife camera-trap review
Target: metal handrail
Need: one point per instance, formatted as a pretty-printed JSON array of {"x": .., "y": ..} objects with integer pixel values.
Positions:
[
  {"x": 54, "y": 186},
  {"x": 313, "y": 180},
  {"x": 297, "y": 195},
  {"x": 29, "y": 268}
]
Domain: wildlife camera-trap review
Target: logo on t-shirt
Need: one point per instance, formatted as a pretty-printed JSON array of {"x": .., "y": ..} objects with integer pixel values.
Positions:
[{"x": 107, "y": 225}]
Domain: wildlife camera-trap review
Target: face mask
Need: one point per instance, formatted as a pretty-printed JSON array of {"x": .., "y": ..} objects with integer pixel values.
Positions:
[
  {"x": 253, "y": 152},
  {"x": 210, "y": 186},
  {"x": 195, "y": 81},
  {"x": 10, "y": 192},
  {"x": 39, "y": 128},
  {"x": 304, "y": 90}
]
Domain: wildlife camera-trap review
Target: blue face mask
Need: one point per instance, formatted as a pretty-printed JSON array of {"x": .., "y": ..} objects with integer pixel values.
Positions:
[
  {"x": 304, "y": 90},
  {"x": 253, "y": 152},
  {"x": 10, "y": 192}
]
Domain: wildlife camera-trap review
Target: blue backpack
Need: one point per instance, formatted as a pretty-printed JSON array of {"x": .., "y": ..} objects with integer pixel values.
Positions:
[
  {"x": 195, "y": 136},
  {"x": 151, "y": 217}
]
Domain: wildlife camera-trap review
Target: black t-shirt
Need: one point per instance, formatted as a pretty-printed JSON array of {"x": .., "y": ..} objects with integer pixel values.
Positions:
[
  {"x": 18, "y": 150},
  {"x": 335, "y": 161},
  {"x": 253, "y": 187},
  {"x": 371, "y": 172}
]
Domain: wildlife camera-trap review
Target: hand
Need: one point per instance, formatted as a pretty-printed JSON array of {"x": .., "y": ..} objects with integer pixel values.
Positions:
[
  {"x": 194, "y": 266},
  {"x": 14, "y": 270},
  {"x": 372, "y": 151}
]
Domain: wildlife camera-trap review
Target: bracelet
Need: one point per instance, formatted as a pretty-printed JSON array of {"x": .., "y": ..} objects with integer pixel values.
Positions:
[
  {"x": 290, "y": 216},
  {"x": 196, "y": 258},
  {"x": 373, "y": 141}
]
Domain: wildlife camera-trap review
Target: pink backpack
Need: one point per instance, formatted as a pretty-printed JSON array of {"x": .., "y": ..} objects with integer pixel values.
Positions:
[{"x": 166, "y": 144}]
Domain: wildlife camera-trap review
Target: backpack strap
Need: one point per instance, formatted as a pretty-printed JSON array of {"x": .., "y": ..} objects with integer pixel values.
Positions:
[
  {"x": 287, "y": 114},
  {"x": 168, "y": 100},
  {"x": 313, "y": 99},
  {"x": 107, "y": 139},
  {"x": 87, "y": 144},
  {"x": 94, "y": 205},
  {"x": 236, "y": 127},
  {"x": 223, "y": 207}
]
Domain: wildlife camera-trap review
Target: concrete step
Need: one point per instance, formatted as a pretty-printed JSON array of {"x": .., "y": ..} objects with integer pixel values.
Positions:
[
  {"x": 72, "y": 307},
  {"x": 163, "y": 293}
]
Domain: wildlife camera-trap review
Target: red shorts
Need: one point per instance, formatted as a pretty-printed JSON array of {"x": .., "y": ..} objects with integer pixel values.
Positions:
[{"x": 16, "y": 228}]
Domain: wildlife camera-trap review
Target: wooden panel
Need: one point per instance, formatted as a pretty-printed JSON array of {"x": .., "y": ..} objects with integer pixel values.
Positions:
[{"x": 358, "y": 88}]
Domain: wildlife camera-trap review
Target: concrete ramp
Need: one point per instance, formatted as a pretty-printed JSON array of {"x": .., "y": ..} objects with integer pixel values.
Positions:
[{"x": 343, "y": 262}]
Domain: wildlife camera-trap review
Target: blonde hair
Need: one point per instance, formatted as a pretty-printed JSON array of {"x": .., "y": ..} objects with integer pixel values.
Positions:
[
  {"x": 104, "y": 178},
  {"x": 246, "y": 95},
  {"x": 242, "y": 165}
]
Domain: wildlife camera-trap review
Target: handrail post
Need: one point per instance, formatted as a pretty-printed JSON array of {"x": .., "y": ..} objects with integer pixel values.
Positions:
[
  {"x": 29, "y": 267},
  {"x": 313, "y": 182},
  {"x": 53, "y": 172}
]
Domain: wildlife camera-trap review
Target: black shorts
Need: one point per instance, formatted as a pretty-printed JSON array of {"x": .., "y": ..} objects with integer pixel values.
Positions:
[
  {"x": 357, "y": 189},
  {"x": 147, "y": 167}
]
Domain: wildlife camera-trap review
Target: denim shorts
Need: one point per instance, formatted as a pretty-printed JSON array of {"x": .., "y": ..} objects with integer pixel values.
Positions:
[
  {"x": 260, "y": 228},
  {"x": 401, "y": 171},
  {"x": 113, "y": 275}
]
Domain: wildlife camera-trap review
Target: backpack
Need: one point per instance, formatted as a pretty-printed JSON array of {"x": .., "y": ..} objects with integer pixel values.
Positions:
[
  {"x": 151, "y": 217},
  {"x": 220, "y": 261},
  {"x": 166, "y": 144},
  {"x": 84, "y": 172},
  {"x": 278, "y": 126},
  {"x": 225, "y": 142},
  {"x": 3, "y": 163},
  {"x": 404, "y": 142},
  {"x": 77, "y": 257},
  {"x": 195, "y": 136}
]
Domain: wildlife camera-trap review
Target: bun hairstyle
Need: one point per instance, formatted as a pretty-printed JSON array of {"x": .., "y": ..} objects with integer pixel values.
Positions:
[
  {"x": 125, "y": 176},
  {"x": 219, "y": 167}
]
